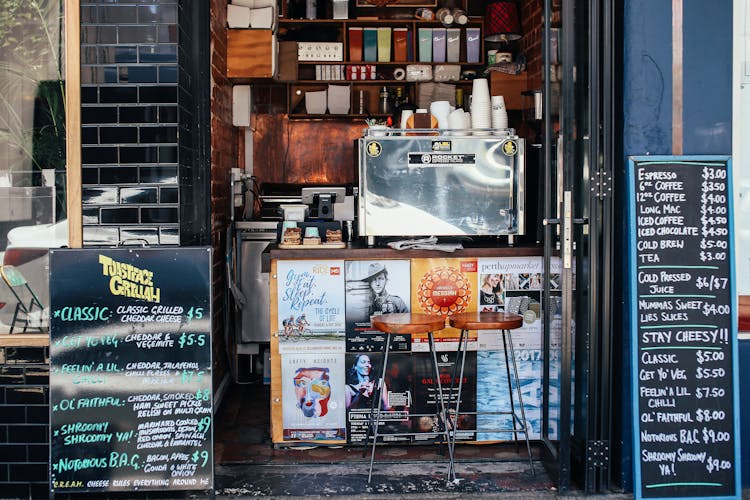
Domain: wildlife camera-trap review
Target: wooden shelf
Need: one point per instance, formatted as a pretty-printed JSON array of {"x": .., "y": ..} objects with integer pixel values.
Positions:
[{"x": 249, "y": 58}]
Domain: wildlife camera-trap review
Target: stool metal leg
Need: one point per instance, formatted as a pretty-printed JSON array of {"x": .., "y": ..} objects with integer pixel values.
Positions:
[
  {"x": 510, "y": 386},
  {"x": 379, "y": 393},
  {"x": 520, "y": 403},
  {"x": 440, "y": 407},
  {"x": 463, "y": 341}
]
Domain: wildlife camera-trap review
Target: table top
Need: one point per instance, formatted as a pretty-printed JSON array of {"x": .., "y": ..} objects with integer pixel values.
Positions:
[
  {"x": 486, "y": 321},
  {"x": 408, "y": 323}
]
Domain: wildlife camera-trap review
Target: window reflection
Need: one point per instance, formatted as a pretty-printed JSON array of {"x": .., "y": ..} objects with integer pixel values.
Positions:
[{"x": 32, "y": 143}]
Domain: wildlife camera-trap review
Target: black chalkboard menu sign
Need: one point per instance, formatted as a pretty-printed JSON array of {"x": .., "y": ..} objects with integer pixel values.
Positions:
[
  {"x": 130, "y": 370},
  {"x": 683, "y": 328}
]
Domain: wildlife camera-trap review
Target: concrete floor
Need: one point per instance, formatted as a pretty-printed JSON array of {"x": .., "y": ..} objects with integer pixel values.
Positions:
[{"x": 249, "y": 466}]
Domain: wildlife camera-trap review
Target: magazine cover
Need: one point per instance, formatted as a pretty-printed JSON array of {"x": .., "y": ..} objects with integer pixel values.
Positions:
[
  {"x": 426, "y": 394},
  {"x": 363, "y": 371},
  {"x": 374, "y": 287},
  {"x": 445, "y": 287},
  {"x": 310, "y": 297},
  {"x": 517, "y": 283},
  {"x": 313, "y": 397}
]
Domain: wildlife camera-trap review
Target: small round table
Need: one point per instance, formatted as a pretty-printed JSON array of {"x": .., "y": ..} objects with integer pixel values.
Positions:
[
  {"x": 408, "y": 323},
  {"x": 491, "y": 321}
]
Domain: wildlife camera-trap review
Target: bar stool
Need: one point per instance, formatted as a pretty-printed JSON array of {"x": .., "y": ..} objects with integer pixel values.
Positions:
[
  {"x": 408, "y": 323},
  {"x": 491, "y": 321}
]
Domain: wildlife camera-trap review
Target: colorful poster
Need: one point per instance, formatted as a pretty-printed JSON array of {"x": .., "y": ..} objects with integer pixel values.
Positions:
[
  {"x": 313, "y": 396},
  {"x": 517, "y": 284},
  {"x": 425, "y": 420},
  {"x": 363, "y": 371},
  {"x": 310, "y": 297},
  {"x": 444, "y": 287}
]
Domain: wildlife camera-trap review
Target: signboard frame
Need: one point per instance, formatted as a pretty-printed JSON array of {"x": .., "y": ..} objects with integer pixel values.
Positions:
[
  {"x": 131, "y": 370},
  {"x": 632, "y": 294}
]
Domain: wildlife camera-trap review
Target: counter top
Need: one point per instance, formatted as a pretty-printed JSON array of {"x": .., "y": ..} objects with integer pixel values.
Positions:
[{"x": 362, "y": 251}]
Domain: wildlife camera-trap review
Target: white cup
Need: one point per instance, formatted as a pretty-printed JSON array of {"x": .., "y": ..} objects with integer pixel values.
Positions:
[
  {"x": 441, "y": 110},
  {"x": 480, "y": 89},
  {"x": 405, "y": 114},
  {"x": 498, "y": 102}
]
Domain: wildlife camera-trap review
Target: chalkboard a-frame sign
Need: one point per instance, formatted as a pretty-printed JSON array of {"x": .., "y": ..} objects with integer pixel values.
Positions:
[
  {"x": 683, "y": 328},
  {"x": 131, "y": 403}
]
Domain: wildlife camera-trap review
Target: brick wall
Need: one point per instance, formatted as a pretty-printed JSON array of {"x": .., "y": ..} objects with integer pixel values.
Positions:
[
  {"x": 129, "y": 118},
  {"x": 223, "y": 158},
  {"x": 24, "y": 422},
  {"x": 533, "y": 33}
]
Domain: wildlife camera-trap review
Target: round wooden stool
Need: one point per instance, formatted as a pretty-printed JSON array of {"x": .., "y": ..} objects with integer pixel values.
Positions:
[
  {"x": 408, "y": 323},
  {"x": 505, "y": 323}
]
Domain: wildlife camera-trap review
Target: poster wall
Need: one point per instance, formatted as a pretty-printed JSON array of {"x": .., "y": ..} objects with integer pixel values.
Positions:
[{"x": 330, "y": 362}]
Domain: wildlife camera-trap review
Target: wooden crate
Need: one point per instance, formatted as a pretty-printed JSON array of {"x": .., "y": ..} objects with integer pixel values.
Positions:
[
  {"x": 250, "y": 53},
  {"x": 510, "y": 87}
]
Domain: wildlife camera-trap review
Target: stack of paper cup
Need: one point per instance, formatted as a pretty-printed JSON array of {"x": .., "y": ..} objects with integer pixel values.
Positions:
[
  {"x": 480, "y": 105},
  {"x": 441, "y": 110},
  {"x": 499, "y": 113}
]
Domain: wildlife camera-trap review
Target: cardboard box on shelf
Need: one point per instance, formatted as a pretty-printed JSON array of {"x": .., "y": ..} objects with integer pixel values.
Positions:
[
  {"x": 510, "y": 87},
  {"x": 250, "y": 53}
]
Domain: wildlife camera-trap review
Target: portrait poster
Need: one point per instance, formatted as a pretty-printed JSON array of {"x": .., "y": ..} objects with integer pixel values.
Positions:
[
  {"x": 426, "y": 396},
  {"x": 443, "y": 286},
  {"x": 396, "y": 399},
  {"x": 313, "y": 396},
  {"x": 310, "y": 297},
  {"x": 375, "y": 287}
]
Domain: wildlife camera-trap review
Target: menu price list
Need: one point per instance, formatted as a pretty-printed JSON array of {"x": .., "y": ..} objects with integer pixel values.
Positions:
[
  {"x": 130, "y": 370},
  {"x": 684, "y": 350}
]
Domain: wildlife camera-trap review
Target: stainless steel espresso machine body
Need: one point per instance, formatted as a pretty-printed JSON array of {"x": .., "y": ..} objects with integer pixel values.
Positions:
[{"x": 441, "y": 185}]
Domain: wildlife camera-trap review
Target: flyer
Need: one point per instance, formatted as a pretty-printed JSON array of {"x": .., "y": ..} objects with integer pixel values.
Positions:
[
  {"x": 363, "y": 371},
  {"x": 444, "y": 287},
  {"x": 372, "y": 288},
  {"x": 517, "y": 283},
  {"x": 426, "y": 399},
  {"x": 313, "y": 396},
  {"x": 310, "y": 297}
]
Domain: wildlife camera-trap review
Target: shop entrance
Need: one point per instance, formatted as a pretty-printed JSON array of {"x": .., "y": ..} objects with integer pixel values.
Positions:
[{"x": 577, "y": 149}]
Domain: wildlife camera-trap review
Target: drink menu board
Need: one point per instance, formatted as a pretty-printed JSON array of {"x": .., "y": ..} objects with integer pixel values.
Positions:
[
  {"x": 683, "y": 331},
  {"x": 130, "y": 370}
]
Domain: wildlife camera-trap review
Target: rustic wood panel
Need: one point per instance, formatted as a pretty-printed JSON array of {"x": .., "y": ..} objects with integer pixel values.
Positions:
[
  {"x": 305, "y": 151},
  {"x": 510, "y": 87},
  {"x": 249, "y": 53}
]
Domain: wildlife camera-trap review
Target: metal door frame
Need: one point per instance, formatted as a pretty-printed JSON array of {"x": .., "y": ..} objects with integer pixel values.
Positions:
[{"x": 581, "y": 453}]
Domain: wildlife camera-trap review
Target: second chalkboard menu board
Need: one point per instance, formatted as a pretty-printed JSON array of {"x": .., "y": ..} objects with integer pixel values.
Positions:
[
  {"x": 683, "y": 328},
  {"x": 130, "y": 370}
]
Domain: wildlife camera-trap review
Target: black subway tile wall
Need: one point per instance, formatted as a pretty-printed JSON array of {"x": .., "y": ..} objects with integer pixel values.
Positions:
[
  {"x": 129, "y": 114},
  {"x": 24, "y": 421}
]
